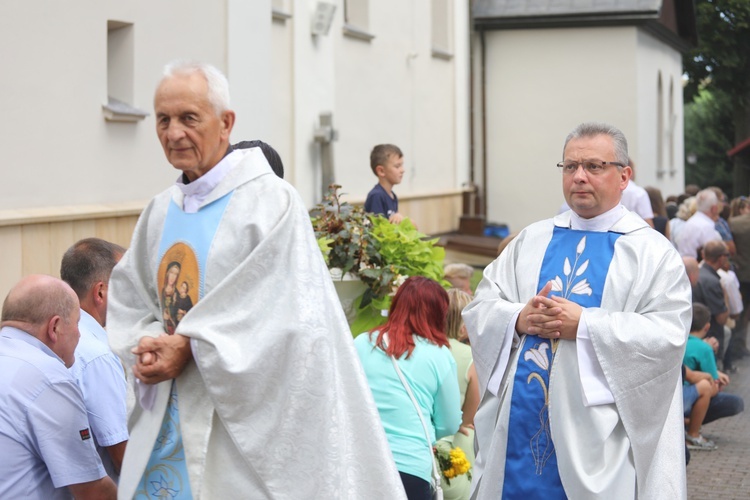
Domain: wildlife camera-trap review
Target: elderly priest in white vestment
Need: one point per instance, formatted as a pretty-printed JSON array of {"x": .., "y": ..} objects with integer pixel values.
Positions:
[
  {"x": 248, "y": 384},
  {"x": 578, "y": 331}
]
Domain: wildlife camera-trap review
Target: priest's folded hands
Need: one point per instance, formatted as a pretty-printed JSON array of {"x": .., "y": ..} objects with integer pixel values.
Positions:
[
  {"x": 549, "y": 317},
  {"x": 161, "y": 358}
]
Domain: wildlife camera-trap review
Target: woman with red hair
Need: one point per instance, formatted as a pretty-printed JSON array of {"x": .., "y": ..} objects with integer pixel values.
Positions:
[{"x": 415, "y": 336}]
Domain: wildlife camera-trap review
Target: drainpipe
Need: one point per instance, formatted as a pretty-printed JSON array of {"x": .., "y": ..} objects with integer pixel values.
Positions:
[
  {"x": 483, "y": 198},
  {"x": 471, "y": 97}
]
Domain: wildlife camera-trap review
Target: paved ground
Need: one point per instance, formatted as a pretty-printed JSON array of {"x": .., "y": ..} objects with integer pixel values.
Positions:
[{"x": 724, "y": 474}]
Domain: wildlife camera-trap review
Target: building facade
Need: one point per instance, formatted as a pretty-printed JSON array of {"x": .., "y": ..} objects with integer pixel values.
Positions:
[{"x": 321, "y": 81}]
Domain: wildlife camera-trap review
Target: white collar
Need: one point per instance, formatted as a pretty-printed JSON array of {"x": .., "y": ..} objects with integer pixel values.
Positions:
[
  {"x": 199, "y": 189},
  {"x": 600, "y": 223}
]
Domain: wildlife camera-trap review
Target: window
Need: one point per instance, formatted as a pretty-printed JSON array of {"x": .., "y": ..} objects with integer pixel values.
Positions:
[
  {"x": 357, "y": 19},
  {"x": 672, "y": 126},
  {"x": 120, "y": 62},
  {"x": 659, "y": 127},
  {"x": 441, "y": 29},
  {"x": 280, "y": 10}
]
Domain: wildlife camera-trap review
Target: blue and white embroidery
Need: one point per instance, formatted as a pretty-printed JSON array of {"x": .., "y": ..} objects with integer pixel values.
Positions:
[
  {"x": 571, "y": 273},
  {"x": 541, "y": 442},
  {"x": 162, "y": 489}
]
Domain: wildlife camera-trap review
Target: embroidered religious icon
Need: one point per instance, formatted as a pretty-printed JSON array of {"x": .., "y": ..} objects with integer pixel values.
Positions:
[{"x": 179, "y": 276}]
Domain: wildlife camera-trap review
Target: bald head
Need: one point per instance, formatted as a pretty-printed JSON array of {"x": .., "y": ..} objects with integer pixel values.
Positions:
[
  {"x": 692, "y": 269},
  {"x": 46, "y": 308},
  {"x": 37, "y": 298}
]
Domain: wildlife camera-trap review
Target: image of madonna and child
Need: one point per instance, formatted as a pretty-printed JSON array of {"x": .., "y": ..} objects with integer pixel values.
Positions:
[{"x": 175, "y": 299}]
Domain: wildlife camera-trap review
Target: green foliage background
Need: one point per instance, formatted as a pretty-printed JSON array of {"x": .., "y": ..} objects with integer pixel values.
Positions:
[
  {"x": 708, "y": 132},
  {"x": 717, "y": 95}
]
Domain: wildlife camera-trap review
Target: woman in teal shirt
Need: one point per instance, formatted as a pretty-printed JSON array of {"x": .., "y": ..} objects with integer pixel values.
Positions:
[{"x": 415, "y": 335}]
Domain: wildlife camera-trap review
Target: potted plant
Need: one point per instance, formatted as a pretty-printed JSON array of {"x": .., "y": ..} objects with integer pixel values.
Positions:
[{"x": 366, "y": 247}]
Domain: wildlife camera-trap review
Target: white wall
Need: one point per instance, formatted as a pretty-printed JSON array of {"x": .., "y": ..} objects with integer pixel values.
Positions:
[
  {"x": 540, "y": 85},
  {"x": 390, "y": 89},
  {"x": 248, "y": 67},
  {"x": 278, "y": 132},
  {"x": 58, "y": 149},
  {"x": 656, "y": 58}
]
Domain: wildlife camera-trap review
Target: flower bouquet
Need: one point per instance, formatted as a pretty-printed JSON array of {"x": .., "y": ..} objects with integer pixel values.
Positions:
[
  {"x": 452, "y": 462},
  {"x": 368, "y": 247}
]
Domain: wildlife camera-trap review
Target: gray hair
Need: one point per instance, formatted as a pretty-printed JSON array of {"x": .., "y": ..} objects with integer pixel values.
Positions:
[
  {"x": 592, "y": 129},
  {"x": 218, "y": 85},
  {"x": 706, "y": 199},
  {"x": 458, "y": 270},
  {"x": 87, "y": 262}
]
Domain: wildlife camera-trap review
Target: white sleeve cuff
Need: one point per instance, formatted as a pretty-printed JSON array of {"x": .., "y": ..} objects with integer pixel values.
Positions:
[
  {"x": 496, "y": 377},
  {"x": 146, "y": 394},
  {"x": 594, "y": 386}
]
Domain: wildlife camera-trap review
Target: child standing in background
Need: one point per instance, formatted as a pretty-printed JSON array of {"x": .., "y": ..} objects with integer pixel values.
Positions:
[{"x": 387, "y": 163}]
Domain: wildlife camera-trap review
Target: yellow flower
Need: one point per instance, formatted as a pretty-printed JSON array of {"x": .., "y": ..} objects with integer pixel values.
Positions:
[{"x": 452, "y": 461}]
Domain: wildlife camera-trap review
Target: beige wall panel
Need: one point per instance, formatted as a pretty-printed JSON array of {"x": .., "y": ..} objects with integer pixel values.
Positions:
[
  {"x": 116, "y": 229},
  {"x": 125, "y": 228},
  {"x": 11, "y": 258},
  {"x": 61, "y": 236},
  {"x": 433, "y": 215},
  {"x": 39, "y": 247},
  {"x": 36, "y": 250},
  {"x": 83, "y": 229}
]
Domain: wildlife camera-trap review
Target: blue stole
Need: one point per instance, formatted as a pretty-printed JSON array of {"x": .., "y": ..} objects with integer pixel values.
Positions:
[
  {"x": 183, "y": 250},
  {"x": 577, "y": 262}
]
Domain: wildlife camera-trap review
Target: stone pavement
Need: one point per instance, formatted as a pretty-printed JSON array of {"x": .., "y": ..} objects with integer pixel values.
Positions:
[{"x": 724, "y": 473}]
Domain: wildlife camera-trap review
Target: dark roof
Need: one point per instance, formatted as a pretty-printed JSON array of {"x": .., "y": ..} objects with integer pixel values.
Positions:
[
  {"x": 671, "y": 20},
  {"x": 528, "y": 8}
]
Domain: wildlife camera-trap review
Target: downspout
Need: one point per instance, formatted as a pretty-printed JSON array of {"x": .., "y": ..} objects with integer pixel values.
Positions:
[
  {"x": 471, "y": 100},
  {"x": 483, "y": 198}
]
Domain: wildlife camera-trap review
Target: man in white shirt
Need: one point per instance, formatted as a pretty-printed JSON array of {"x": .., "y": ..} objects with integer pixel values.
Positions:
[
  {"x": 636, "y": 199},
  {"x": 47, "y": 451},
  {"x": 700, "y": 228},
  {"x": 86, "y": 267}
]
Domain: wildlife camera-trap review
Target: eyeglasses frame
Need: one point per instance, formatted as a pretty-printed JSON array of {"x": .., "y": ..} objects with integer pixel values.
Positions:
[{"x": 561, "y": 165}]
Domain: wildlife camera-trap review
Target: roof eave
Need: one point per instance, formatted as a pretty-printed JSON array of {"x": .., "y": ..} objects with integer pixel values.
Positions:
[
  {"x": 564, "y": 20},
  {"x": 648, "y": 20}
]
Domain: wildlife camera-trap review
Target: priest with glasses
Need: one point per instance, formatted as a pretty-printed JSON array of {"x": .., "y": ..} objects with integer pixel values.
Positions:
[{"x": 577, "y": 332}]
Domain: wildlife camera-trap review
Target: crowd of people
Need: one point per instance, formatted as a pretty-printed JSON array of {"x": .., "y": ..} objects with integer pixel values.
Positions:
[
  {"x": 713, "y": 236},
  {"x": 583, "y": 366}
]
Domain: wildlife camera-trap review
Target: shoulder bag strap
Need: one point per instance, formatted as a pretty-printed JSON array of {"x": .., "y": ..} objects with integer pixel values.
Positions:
[{"x": 435, "y": 473}]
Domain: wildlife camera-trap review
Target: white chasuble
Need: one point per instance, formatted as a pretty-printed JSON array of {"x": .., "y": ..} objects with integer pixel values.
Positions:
[
  {"x": 274, "y": 403},
  {"x": 631, "y": 448}
]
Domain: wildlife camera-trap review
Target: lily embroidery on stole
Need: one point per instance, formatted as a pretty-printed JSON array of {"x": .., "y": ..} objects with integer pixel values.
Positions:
[{"x": 540, "y": 444}]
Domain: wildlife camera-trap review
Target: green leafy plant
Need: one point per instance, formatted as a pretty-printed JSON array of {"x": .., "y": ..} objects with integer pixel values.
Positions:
[{"x": 379, "y": 253}]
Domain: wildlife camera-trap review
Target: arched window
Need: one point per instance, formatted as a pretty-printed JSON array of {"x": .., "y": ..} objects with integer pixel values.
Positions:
[
  {"x": 672, "y": 125},
  {"x": 659, "y": 126}
]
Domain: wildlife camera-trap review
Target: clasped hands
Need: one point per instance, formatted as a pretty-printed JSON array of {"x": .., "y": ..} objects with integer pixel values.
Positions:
[
  {"x": 161, "y": 358},
  {"x": 549, "y": 317}
]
